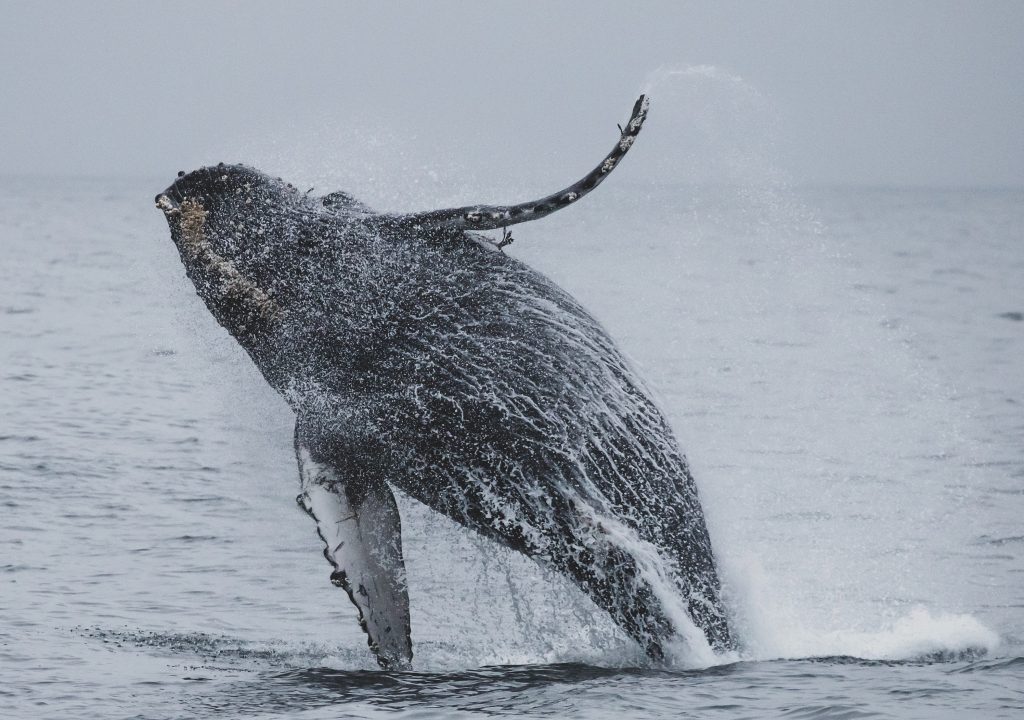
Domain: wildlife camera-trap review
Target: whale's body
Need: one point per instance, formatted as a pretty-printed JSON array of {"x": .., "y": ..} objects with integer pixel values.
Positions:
[{"x": 416, "y": 354}]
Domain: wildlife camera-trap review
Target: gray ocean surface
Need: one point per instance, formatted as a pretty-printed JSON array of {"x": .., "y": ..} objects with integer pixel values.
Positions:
[{"x": 842, "y": 366}]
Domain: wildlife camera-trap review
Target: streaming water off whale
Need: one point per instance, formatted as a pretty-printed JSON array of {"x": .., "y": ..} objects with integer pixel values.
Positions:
[{"x": 841, "y": 366}]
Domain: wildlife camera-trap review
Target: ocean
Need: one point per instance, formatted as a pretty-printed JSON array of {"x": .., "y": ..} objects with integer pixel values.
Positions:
[{"x": 842, "y": 366}]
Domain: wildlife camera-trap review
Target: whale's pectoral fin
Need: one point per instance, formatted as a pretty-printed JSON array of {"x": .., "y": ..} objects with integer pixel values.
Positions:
[
  {"x": 362, "y": 534},
  {"x": 492, "y": 217}
]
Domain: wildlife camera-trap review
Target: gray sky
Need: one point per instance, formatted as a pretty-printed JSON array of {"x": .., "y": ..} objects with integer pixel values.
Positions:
[{"x": 847, "y": 92}]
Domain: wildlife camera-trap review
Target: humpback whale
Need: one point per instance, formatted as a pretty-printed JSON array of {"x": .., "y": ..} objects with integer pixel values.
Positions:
[{"x": 417, "y": 354}]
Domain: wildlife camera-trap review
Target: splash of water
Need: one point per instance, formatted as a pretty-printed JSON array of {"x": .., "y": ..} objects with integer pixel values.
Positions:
[{"x": 822, "y": 513}]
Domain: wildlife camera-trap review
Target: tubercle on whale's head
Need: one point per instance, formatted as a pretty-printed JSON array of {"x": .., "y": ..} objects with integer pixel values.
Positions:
[{"x": 231, "y": 211}]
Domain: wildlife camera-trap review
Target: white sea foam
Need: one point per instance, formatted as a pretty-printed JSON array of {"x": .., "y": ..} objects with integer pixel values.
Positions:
[{"x": 773, "y": 625}]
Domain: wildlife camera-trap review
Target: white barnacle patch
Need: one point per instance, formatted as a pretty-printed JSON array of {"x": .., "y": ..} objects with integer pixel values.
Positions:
[
  {"x": 474, "y": 217},
  {"x": 638, "y": 121},
  {"x": 231, "y": 282},
  {"x": 626, "y": 142},
  {"x": 164, "y": 203},
  {"x": 607, "y": 165},
  {"x": 571, "y": 197},
  {"x": 193, "y": 218}
]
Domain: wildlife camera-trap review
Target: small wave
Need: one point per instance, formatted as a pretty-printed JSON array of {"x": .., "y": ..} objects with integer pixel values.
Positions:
[
  {"x": 998, "y": 541},
  {"x": 833, "y": 712},
  {"x": 219, "y": 650},
  {"x": 196, "y": 538},
  {"x": 992, "y": 665}
]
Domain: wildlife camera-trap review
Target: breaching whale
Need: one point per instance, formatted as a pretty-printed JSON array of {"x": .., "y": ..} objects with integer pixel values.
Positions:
[{"x": 417, "y": 354}]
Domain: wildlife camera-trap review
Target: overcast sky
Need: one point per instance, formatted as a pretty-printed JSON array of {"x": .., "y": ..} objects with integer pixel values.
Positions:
[{"x": 916, "y": 93}]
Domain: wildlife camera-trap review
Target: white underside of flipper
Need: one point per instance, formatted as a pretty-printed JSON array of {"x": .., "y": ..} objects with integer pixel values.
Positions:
[{"x": 362, "y": 536}]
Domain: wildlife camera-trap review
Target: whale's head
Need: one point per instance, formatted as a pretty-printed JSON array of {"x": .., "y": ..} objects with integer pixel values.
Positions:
[
  {"x": 232, "y": 226},
  {"x": 232, "y": 212}
]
